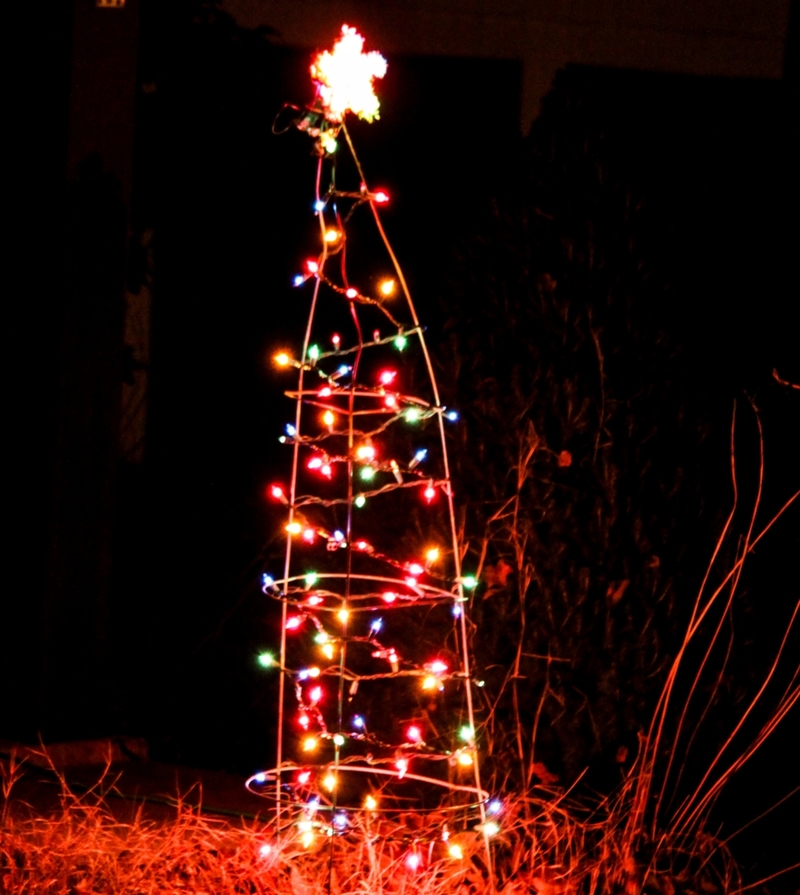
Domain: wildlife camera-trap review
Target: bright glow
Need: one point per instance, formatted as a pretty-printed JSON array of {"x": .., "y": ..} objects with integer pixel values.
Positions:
[
  {"x": 294, "y": 622},
  {"x": 294, "y": 528},
  {"x": 329, "y": 782},
  {"x": 328, "y": 418},
  {"x": 415, "y": 568},
  {"x": 386, "y": 287},
  {"x": 338, "y": 536},
  {"x": 303, "y": 720},
  {"x": 452, "y": 415},
  {"x": 328, "y": 142},
  {"x": 265, "y": 850},
  {"x": 266, "y": 660},
  {"x": 437, "y": 666},
  {"x": 362, "y": 545},
  {"x": 326, "y": 469},
  {"x": 400, "y": 342},
  {"x": 358, "y": 722},
  {"x": 370, "y": 803},
  {"x": 314, "y": 352},
  {"x": 312, "y": 266},
  {"x": 309, "y": 744},
  {"x": 321, "y": 637},
  {"x": 455, "y": 852},
  {"x": 412, "y": 415},
  {"x": 282, "y": 359},
  {"x": 413, "y": 860},
  {"x": 260, "y": 777},
  {"x": 343, "y": 615},
  {"x": 469, "y": 581},
  {"x": 277, "y": 492},
  {"x": 467, "y": 733},
  {"x": 332, "y": 235},
  {"x": 465, "y": 759},
  {"x": 267, "y": 580},
  {"x": 298, "y": 280},
  {"x": 367, "y": 473},
  {"x": 457, "y": 610},
  {"x": 325, "y": 392},
  {"x": 351, "y": 293},
  {"x": 414, "y": 734},
  {"x": 381, "y": 197},
  {"x": 429, "y": 683},
  {"x": 420, "y": 454},
  {"x": 307, "y": 838},
  {"x": 315, "y": 462},
  {"x": 314, "y": 600},
  {"x": 389, "y": 597},
  {"x": 291, "y": 431},
  {"x": 494, "y": 806},
  {"x": 340, "y": 820},
  {"x": 365, "y": 452},
  {"x": 387, "y": 376},
  {"x": 345, "y": 77},
  {"x": 315, "y": 694},
  {"x": 377, "y": 624},
  {"x": 327, "y": 650},
  {"x": 303, "y": 777},
  {"x": 337, "y": 340},
  {"x": 402, "y": 767},
  {"x": 309, "y": 535},
  {"x": 429, "y": 493},
  {"x": 311, "y": 579},
  {"x": 490, "y": 828},
  {"x": 319, "y": 205},
  {"x": 390, "y": 401},
  {"x": 338, "y": 739},
  {"x": 360, "y": 500},
  {"x": 432, "y": 555}
]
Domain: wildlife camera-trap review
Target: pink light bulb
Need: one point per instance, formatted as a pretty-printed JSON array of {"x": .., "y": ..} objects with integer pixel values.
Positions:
[
  {"x": 315, "y": 462},
  {"x": 294, "y": 622},
  {"x": 414, "y": 734},
  {"x": 389, "y": 597},
  {"x": 415, "y": 569},
  {"x": 326, "y": 470},
  {"x": 315, "y": 694},
  {"x": 387, "y": 376},
  {"x": 303, "y": 720},
  {"x": 309, "y": 535},
  {"x": 303, "y": 777},
  {"x": 312, "y": 266}
]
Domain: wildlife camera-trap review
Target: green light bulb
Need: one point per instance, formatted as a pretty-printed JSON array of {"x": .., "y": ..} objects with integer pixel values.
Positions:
[
  {"x": 360, "y": 501},
  {"x": 400, "y": 342},
  {"x": 266, "y": 660},
  {"x": 311, "y": 579}
]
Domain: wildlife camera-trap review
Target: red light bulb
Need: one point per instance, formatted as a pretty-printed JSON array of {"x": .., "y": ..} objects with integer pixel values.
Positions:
[
  {"x": 294, "y": 622},
  {"x": 381, "y": 197}
]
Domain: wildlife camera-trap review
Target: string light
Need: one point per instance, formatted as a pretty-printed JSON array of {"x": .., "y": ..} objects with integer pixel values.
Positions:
[
  {"x": 266, "y": 660},
  {"x": 340, "y": 409}
]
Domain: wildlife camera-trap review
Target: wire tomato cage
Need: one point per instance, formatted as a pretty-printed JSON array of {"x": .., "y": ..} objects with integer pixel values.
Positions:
[{"x": 376, "y": 697}]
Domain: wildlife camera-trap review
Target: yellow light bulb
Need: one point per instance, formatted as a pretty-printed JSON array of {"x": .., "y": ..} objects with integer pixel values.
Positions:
[
  {"x": 294, "y": 528},
  {"x": 387, "y": 287},
  {"x": 307, "y": 838},
  {"x": 370, "y": 803},
  {"x": 327, "y": 650},
  {"x": 328, "y": 418},
  {"x": 329, "y": 782},
  {"x": 309, "y": 744},
  {"x": 343, "y": 615},
  {"x": 282, "y": 359},
  {"x": 429, "y": 683},
  {"x": 455, "y": 852},
  {"x": 332, "y": 235},
  {"x": 465, "y": 759},
  {"x": 432, "y": 555}
]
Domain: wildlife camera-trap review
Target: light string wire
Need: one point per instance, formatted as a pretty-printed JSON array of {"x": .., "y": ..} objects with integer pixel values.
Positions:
[{"x": 298, "y": 440}]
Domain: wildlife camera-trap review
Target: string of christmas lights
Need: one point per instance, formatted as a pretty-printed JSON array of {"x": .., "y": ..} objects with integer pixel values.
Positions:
[{"x": 375, "y": 709}]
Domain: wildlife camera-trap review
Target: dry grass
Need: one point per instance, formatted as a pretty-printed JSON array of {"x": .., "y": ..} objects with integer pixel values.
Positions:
[{"x": 549, "y": 844}]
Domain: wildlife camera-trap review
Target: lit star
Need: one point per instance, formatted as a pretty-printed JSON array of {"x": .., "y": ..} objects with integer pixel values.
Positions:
[{"x": 345, "y": 77}]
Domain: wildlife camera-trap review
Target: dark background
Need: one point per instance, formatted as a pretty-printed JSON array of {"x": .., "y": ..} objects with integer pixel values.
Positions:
[{"x": 133, "y": 603}]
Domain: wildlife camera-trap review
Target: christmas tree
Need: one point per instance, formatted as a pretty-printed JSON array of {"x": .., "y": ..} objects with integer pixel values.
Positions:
[{"x": 375, "y": 716}]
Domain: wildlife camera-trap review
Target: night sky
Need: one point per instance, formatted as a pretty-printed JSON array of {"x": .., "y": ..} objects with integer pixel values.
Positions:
[{"x": 148, "y": 168}]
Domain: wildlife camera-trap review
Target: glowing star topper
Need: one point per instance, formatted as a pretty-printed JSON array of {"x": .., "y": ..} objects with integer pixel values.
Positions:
[{"x": 345, "y": 77}]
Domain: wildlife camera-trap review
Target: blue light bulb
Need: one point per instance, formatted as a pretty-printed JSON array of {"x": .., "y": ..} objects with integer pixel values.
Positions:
[
  {"x": 298, "y": 280},
  {"x": 319, "y": 205}
]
